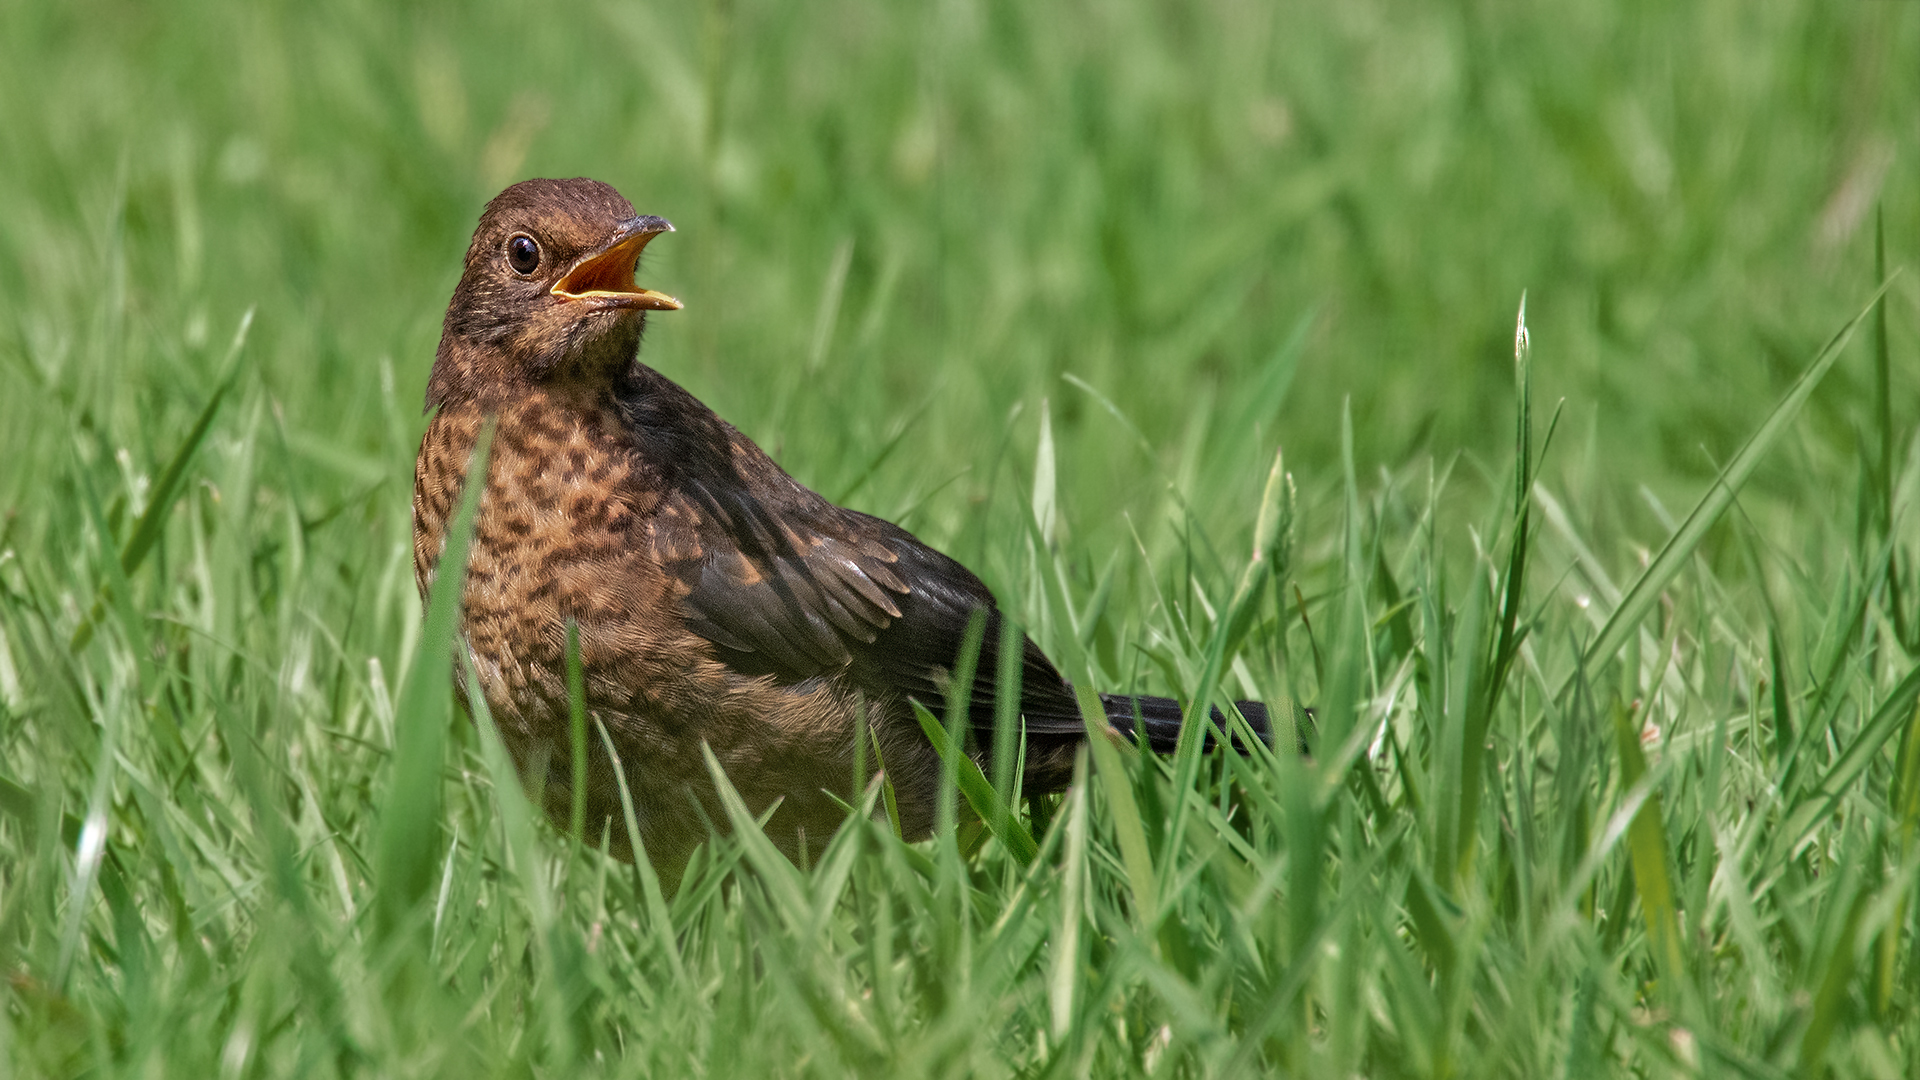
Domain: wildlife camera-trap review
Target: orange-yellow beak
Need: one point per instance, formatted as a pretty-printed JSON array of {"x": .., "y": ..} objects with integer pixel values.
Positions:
[{"x": 607, "y": 275}]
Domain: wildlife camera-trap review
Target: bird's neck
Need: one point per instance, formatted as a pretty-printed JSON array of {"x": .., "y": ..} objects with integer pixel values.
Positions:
[{"x": 489, "y": 376}]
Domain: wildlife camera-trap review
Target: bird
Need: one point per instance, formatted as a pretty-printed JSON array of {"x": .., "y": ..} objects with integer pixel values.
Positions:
[{"x": 719, "y": 605}]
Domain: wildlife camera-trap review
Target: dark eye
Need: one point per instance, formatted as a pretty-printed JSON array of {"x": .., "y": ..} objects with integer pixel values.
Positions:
[{"x": 523, "y": 254}]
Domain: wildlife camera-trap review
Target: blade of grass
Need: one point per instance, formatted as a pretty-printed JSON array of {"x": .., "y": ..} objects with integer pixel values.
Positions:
[
  {"x": 1514, "y": 585},
  {"x": 166, "y": 490},
  {"x": 1820, "y": 799},
  {"x": 577, "y": 730},
  {"x": 960, "y": 690},
  {"x": 1007, "y": 735},
  {"x": 91, "y": 847},
  {"x": 659, "y": 922},
  {"x": 1831, "y": 996},
  {"x": 1103, "y": 748},
  {"x": 409, "y": 830},
  {"x": 780, "y": 877},
  {"x": 1117, "y": 784},
  {"x": 1272, "y": 535},
  {"x": 1645, "y": 592},
  {"x": 1904, "y": 800},
  {"x": 1065, "y": 975},
  {"x": 1647, "y": 849},
  {"x": 1882, "y": 378},
  {"x": 980, "y": 795},
  {"x": 557, "y": 951}
]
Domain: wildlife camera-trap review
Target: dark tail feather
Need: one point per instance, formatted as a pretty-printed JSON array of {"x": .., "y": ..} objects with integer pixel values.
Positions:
[{"x": 1161, "y": 719}]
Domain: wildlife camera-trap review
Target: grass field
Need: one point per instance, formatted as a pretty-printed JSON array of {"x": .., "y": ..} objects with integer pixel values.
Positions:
[{"x": 1615, "y": 653}]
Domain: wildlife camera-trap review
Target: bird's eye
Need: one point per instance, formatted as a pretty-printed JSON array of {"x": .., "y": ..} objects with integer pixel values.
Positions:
[{"x": 523, "y": 254}]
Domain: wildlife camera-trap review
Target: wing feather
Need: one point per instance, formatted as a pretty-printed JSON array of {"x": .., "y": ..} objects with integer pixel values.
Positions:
[{"x": 788, "y": 585}]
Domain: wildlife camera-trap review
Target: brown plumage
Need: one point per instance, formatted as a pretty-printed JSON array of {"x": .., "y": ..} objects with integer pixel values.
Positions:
[{"x": 718, "y": 600}]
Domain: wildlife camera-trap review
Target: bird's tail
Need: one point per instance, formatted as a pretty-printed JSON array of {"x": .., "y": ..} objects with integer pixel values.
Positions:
[{"x": 1160, "y": 719}]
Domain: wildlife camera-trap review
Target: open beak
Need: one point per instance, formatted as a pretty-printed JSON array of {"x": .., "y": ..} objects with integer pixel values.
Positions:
[{"x": 607, "y": 275}]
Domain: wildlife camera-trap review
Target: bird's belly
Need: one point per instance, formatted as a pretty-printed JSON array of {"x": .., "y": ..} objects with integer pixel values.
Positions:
[
  {"x": 655, "y": 693},
  {"x": 558, "y": 539}
]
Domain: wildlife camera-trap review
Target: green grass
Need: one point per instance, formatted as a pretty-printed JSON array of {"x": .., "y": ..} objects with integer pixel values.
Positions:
[{"x": 1618, "y": 758}]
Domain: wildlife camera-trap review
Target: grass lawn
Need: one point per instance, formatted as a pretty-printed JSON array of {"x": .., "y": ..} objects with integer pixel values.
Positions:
[{"x": 1615, "y": 652}]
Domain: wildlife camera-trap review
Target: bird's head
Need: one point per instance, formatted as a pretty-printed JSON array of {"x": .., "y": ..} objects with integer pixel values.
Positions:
[{"x": 548, "y": 290}]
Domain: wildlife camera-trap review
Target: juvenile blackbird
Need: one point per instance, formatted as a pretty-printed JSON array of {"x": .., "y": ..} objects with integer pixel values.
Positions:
[{"x": 718, "y": 601}]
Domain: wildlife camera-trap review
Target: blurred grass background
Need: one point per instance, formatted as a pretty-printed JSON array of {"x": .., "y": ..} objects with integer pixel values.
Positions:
[
  {"x": 1149, "y": 198},
  {"x": 924, "y": 250}
]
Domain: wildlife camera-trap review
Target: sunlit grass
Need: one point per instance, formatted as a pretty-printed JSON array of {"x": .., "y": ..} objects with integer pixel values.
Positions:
[{"x": 1616, "y": 761}]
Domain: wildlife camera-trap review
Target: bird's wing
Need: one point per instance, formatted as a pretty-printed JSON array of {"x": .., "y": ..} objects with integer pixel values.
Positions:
[{"x": 784, "y": 583}]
